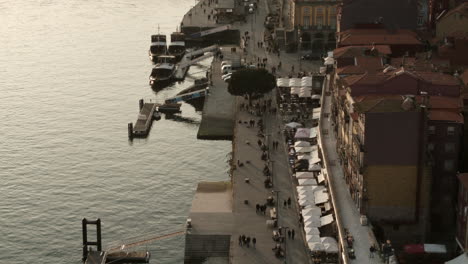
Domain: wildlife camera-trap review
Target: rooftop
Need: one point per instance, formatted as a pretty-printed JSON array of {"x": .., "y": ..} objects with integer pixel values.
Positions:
[
  {"x": 393, "y": 14},
  {"x": 353, "y": 51},
  {"x": 462, "y": 9},
  {"x": 378, "y": 37}
]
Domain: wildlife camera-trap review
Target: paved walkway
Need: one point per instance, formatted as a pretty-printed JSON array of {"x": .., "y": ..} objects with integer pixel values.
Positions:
[{"x": 344, "y": 204}]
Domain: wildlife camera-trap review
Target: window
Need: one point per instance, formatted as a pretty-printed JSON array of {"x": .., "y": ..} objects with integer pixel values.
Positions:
[
  {"x": 450, "y": 131},
  {"x": 430, "y": 146},
  {"x": 449, "y": 165},
  {"x": 431, "y": 130},
  {"x": 449, "y": 147}
]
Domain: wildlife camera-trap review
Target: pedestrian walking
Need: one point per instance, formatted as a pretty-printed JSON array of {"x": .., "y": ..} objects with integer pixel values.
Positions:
[
  {"x": 248, "y": 241},
  {"x": 289, "y": 233},
  {"x": 254, "y": 241},
  {"x": 292, "y": 234},
  {"x": 289, "y": 202},
  {"x": 285, "y": 203},
  {"x": 257, "y": 208},
  {"x": 240, "y": 240},
  {"x": 371, "y": 251},
  {"x": 243, "y": 240}
]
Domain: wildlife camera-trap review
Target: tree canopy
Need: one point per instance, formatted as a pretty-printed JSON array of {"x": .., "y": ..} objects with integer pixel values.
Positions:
[{"x": 251, "y": 82}]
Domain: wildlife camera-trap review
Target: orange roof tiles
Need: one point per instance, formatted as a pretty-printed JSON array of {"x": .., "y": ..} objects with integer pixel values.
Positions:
[
  {"x": 353, "y": 51},
  {"x": 444, "y": 115},
  {"x": 378, "y": 37}
]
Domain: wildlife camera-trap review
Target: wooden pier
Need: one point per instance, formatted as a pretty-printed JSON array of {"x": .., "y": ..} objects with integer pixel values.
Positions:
[{"x": 145, "y": 119}]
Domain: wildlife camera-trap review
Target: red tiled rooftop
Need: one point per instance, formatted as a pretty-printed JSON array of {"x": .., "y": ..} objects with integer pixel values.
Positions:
[
  {"x": 444, "y": 115},
  {"x": 378, "y": 37},
  {"x": 353, "y": 51},
  {"x": 435, "y": 102}
]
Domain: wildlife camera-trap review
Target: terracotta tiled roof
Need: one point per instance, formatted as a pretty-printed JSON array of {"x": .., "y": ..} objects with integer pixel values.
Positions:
[
  {"x": 378, "y": 37},
  {"x": 369, "y": 62},
  {"x": 435, "y": 102},
  {"x": 421, "y": 64},
  {"x": 461, "y": 9},
  {"x": 353, "y": 51},
  {"x": 350, "y": 69},
  {"x": 444, "y": 115},
  {"x": 437, "y": 78},
  {"x": 463, "y": 178}
]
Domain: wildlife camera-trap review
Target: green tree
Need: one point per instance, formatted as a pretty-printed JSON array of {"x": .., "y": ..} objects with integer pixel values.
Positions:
[{"x": 251, "y": 82}]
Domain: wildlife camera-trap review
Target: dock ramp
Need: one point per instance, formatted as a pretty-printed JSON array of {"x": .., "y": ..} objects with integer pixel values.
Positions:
[{"x": 186, "y": 96}]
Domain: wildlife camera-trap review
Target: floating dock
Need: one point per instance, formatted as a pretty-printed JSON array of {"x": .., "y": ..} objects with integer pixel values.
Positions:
[{"x": 145, "y": 119}]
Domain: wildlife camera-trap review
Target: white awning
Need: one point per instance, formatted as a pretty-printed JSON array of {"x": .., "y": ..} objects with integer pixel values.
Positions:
[
  {"x": 325, "y": 220},
  {"x": 313, "y": 239},
  {"x": 302, "y": 144},
  {"x": 282, "y": 82},
  {"x": 315, "y": 159},
  {"x": 312, "y": 231},
  {"x": 295, "y": 82},
  {"x": 306, "y": 81},
  {"x": 320, "y": 178},
  {"x": 315, "y": 116},
  {"x": 304, "y": 182},
  {"x": 304, "y": 157},
  {"x": 304, "y": 175},
  {"x": 304, "y": 94},
  {"x": 302, "y": 133},
  {"x": 311, "y": 211},
  {"x": 330, "y": 244},
  {"x": 316, "y": 96},
  {"x": 304, "y": 149},
  {"x": 321, "y": 197},
  {"x": 315, "y": 167},
  {"x": 312, "y": 222},
  {"x": 327, "y": 206},
  {"x": 316, "y": 247},
  {"x": 313, "y": 132},
  {"x": 293, "y": 125},
  {"x": 295, "y": 90},
  {"x": 305, "y": 202}
]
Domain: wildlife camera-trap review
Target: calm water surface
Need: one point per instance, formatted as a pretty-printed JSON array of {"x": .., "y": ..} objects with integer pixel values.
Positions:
[{"x": 71, "y": 75}]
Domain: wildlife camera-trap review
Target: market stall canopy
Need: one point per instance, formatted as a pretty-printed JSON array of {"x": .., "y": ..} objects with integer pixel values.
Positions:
[
  {"x": 313, "y": 132},
  {"x": 327, "y": 219},
  {"x": 302, "y": 144},
  {"x": 312, "y": 222},
  {"x": 320, "y": 178},
  {"x": 303, "y": 149},
  {"x": 315, "y": 115},
  {"x": 282, "y": 82},
  {"x": 305, "y": 94},
  {"x": 304, "y": 182},
  {"x": 315, "y": 167},
  {"x": 316, "y": 247},
  {"x": 304, "y": 202},
  {"x": 321, "y": 197},
  {"x": 313, "y": 239},
  {"x": 293, "y": 125},
  {"x": 311, "y": 210},
  {"x": 312, "y": 231},
  {"x": 316, "y": 96},
  {"x": 304, "y": 175},
  {"x": 315, "y": 159},
  {"x": 295, "y": 90},
  {"x": 295, "y": 82},
  {"x": 306, "y": 81},
  {"x": 329, "y": 61},
  {"x": 330, "y": 244},
  {"x": 302, "y": 133},
  {"x": 304, "y": 157}
]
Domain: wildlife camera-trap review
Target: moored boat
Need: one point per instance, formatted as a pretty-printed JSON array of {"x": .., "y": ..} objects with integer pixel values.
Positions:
[
  {"x": 163, "y": 71},
  {"x": 158, "y": 46},
  {"x": 177, "y": 45}
]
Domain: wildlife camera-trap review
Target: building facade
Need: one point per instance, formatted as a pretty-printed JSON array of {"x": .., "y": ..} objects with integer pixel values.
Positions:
[
  {"x": 398, "y": 135},
  {"x": 462, "y": 212},
  {"x": 315, "y": 23}
]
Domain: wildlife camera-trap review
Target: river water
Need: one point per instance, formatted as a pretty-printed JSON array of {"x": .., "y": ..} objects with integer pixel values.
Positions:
[{"x": 71, "y": 75}]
